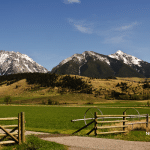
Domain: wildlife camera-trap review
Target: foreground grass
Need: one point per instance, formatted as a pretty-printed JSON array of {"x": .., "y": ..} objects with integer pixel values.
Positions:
[{"x": 33, "y": 143}]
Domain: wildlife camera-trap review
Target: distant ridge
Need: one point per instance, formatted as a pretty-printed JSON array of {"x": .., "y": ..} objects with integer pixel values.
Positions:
[
  {"x": 97, "y": 65},
  {"x": 15, "y": 62}
]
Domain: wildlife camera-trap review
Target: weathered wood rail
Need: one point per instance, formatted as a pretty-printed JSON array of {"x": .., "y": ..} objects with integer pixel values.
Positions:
[
  {"x": 114, "y": 121},
  {"x": 21, "y": 130},
  {"x": 123, "y": 126}
]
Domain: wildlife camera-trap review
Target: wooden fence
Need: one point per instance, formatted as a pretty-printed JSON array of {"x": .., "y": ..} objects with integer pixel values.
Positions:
[
  {"x": 124, "y": 116},
  {"x": 11, "y": 133},
  {"x": 123, "y": 126}
]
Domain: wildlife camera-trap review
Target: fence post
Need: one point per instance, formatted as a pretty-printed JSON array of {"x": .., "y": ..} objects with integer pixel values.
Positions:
[
  {"x": 22, "y": 127},
  {"x": 19, "y": 128},
  {"x": 95, "y": 124},
  {"x": 124, "y": 118},
  {"x": 147, "y": 120}
]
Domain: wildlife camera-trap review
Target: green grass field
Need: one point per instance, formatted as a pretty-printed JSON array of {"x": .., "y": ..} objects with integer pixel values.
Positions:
[{"x": 56, "y": 119}]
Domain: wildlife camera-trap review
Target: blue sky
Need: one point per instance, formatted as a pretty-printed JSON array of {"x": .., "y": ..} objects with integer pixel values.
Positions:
[{"x": 49, "y": 31}]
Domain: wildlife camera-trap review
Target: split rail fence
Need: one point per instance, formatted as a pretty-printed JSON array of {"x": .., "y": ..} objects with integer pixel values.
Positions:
[
  {"x": 11, "y": 132},
  {"x": 123, "y": 126}
]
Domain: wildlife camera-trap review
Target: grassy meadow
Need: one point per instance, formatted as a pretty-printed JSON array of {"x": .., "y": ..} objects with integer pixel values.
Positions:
[{"x": 57, "y": 119}]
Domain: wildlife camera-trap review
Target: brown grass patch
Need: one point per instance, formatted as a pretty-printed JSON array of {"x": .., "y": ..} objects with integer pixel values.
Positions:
[{"x": 140, "y": 127}]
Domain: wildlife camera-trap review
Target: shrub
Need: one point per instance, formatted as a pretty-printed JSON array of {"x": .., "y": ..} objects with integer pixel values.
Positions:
[
  {"x": 136, "y": 97},
  {"x": 87, "y": 91},
  {"x": 88, "y": 103},
  {"x": 56, "y": 103},
  {"x": 124, "y": 97},
  {"x": 117, "y": 85},
  {"x": 147, "y": 96},
  {"x": 7, "y": 99},
  {"x": 115, "y": 94},
  {"x": 148, "y": 103},
  {"x": 43, "y": 102},
  {"x": 17, "y": 86},
  {"x": 146, "y": 85},
  {"x": 50, "y": 102},
  {"x": 107, "y": 97}
]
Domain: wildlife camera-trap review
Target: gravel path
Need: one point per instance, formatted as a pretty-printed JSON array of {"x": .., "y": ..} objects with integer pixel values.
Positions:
[{"x": 91, "y": 143}]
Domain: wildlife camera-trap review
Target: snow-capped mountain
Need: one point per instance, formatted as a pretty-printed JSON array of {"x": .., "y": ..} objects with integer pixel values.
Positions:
[
  {"x": 127, "y": 59},
  {"x": 82, "y": 58},
  {"x": 139, "y": 65},
  {"x": 92, "y": 64},
  {"x": 15, "y": 62}
]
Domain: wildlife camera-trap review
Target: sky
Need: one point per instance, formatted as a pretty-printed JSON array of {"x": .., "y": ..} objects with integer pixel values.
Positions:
[{"x": 49, "y": 31}]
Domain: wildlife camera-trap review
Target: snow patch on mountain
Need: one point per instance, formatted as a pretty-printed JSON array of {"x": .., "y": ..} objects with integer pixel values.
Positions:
[
  {"x": 98, "y": 57},
  {"x": 81, "y": 58},
  {"x": 126, "y": 58},
  {"x": 76, "y": 57},
  {"x": 3, "y": 58}
]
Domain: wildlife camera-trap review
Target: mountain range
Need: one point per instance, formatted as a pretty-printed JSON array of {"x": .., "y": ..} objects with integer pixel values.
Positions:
[
  {"x": 15, "y": 62},
  {"x": 89, "y": 63},
  {"x": 92, "y": 64}
]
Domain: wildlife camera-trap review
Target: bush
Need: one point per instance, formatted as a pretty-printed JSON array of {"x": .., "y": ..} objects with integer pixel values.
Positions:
[
  {"x": 17, "y": 86},
  {"x": 146, "y": 85},
  {"x": 56, "y": 103},
  {"x": 148, "y": 103},
  {"x": 115, "y": 94},
  {"x": 118, "y": 85},
  {"x": 136, "y": 97},
  {"x": 146, "y": 97},
  {"x": 89, "y": 103},
  {"x": 50, "y": 102},
  {"x": 43, "y": 102},
  {"x": 124, "y": 97},
  {"x": 7, "y": 99},
  {"x": 87, "y": 91},
  {"x": 107, "y": 97}
]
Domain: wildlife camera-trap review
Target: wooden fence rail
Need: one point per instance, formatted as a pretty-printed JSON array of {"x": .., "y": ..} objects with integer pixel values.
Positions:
[
  {"x": 21, "y": 130},
  {"x": 123, "y": 126},
  {"x": 124, "y": 116}
]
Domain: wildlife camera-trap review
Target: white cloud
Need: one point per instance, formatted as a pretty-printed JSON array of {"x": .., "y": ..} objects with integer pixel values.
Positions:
[
  {"x": 108, "y": 33},
  {"x": 71, "y": 1},
  {"x": 126, "y": 27},
  {"x": 83, "y": 29},
  {"x": 81, "y": 25},
  {"x": 120, "y": 34}
]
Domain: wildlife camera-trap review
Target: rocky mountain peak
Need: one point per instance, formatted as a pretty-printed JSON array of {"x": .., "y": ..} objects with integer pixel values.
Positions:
[
  {"x": 126, "y": 58},
  {"x": 119, "y": 52},
  {"x": 15, "y": 62}
]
